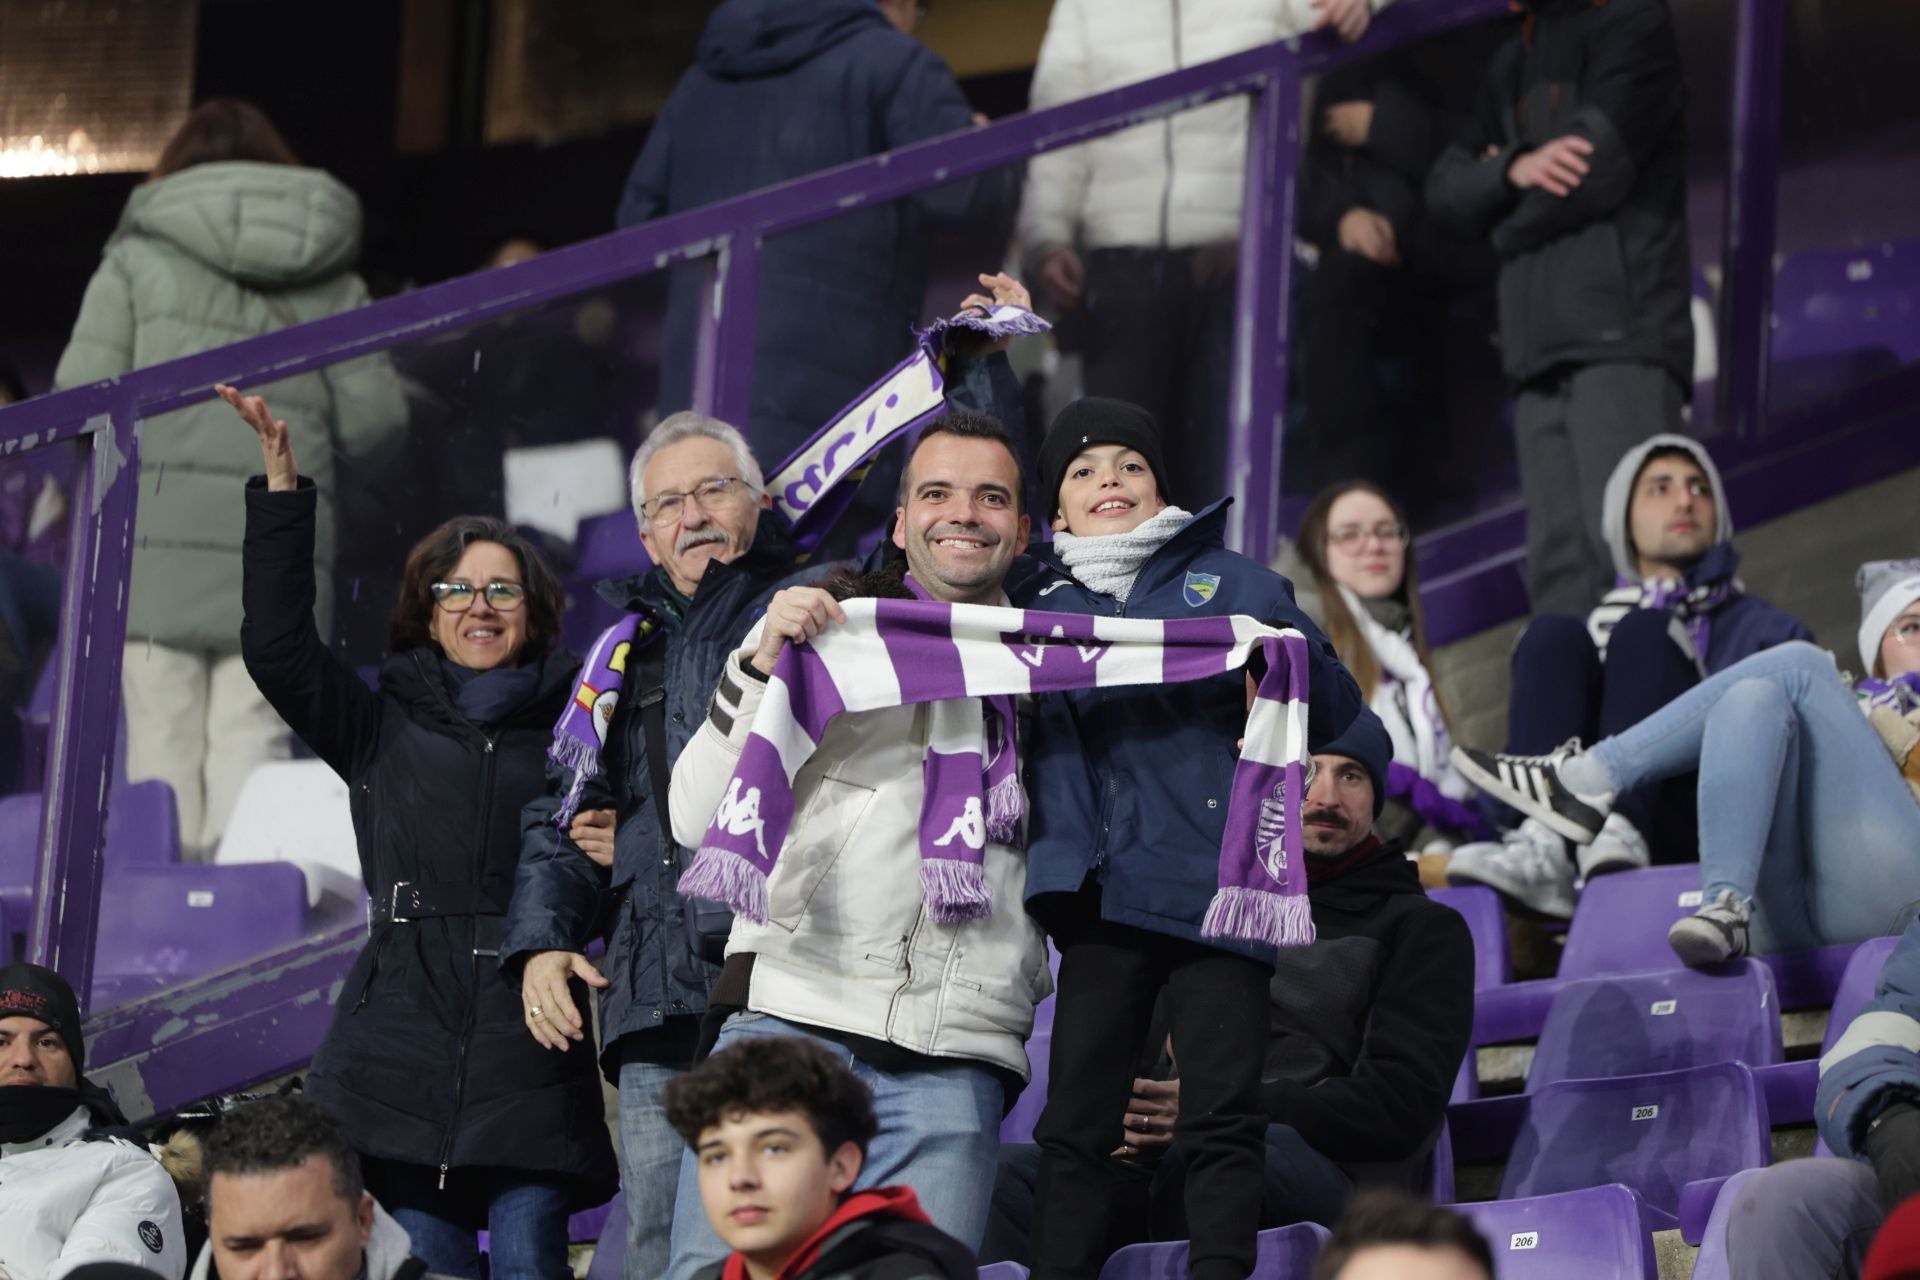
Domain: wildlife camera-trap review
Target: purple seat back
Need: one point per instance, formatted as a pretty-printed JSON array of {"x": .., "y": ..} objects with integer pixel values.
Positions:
[
  {"x": 608, "y": 546},
  {"x": 143, "y": 824},
  {"x": 1637, "y": 1024},
  {"x": 1711, "y": 1264},
  {"x": 1654, "y": 1133},
  {"x": 1492, "y": 965},
  {"x": 9, "y": 952},
  {"x": 610, "y": 1253},
  {"x": 1004, "y": 1271},
  {"x": 1466, "y": 1082},
  {"x": 1847, "y": 300},
  {"x": 169, "y": 923},
  {"x": 1286, "y": 1253},
  {"x": 1598, "y": 1231},
  {"x": 1621, "y": 923},
  {"x": 1440, "y": 1167},
  {"x": 1019, "y": 1122}
]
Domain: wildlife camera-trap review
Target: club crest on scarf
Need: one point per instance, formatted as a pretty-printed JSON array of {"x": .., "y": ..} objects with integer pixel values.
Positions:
[
  {"x": 1271, "y": 837},
  {"x": 1200, "y": 588},
  {"x": 1067, "y": 643},
  {"x": 581, "y": 734}
]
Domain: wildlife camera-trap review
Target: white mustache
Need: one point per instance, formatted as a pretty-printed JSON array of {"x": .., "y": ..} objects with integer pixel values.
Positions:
[{"x": 696, "y": 537}]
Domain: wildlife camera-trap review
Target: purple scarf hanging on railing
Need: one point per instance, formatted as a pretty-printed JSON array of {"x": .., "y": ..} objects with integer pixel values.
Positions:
[{"x": 892, "y": 653}]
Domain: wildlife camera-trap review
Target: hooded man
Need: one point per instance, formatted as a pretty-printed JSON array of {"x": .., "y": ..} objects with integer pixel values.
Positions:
[
  {"x": 78, "y": 1186},
  {"x": 1677, "y": 613}
]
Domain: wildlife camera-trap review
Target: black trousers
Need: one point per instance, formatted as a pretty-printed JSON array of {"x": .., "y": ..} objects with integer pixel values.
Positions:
[
  {"x": 1110, "y": 976},
  {"x": 1159, "y": 333},
  {"x": 1562, "y": 689}
]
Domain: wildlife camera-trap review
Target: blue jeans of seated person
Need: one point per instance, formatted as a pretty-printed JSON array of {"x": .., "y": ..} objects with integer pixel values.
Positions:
[
  {"x": 526, "y": 1218},
  {"x": 1563, "y": 689},
  {"x": 650, "y": 1153},
  {"x": 939, "y": 1134},
  {"x": 1801, "y": 807},
  {"x": 1301, "y": 1184}
]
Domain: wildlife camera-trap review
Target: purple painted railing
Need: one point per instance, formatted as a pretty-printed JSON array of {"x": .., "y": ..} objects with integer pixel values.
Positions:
[{"x": 264, "y": 1018}]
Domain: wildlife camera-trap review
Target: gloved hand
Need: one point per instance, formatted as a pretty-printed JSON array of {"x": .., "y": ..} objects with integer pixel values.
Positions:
[{"x": 1893, "y": 1149}]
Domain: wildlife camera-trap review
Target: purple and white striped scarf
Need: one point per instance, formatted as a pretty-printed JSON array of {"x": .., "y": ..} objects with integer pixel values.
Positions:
[
  {"x": 892, "y": 653},
  {"x": 581, "y": 734},
  {"x": 1708, "y": 585}
]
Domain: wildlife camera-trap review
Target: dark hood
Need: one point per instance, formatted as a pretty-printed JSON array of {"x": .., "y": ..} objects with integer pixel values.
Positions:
[
  {"x": 749, "y": 38},
  {"x": 1388, "y": 871}
]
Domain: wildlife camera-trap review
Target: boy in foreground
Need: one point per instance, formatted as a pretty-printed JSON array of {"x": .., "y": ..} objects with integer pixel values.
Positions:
[{"x": 779, "y": 1130}]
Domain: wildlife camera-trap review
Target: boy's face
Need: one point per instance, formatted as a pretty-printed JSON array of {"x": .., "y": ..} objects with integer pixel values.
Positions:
[
  {"x": 1671, "y": 515},
  {"x": 768, "y": 1184},
  {"x": 1108, "y": 488}
]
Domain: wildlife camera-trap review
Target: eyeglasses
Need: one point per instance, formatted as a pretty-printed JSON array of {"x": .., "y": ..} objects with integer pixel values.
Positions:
[
  {"x": 1348, "y": 536},
  {"x": 1906, "y": 631},
  {"x": 458, "y": 597},
  {"x": 712, "y": 495}
]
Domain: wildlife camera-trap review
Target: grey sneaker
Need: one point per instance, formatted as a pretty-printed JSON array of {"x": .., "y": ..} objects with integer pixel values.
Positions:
[
  {"x": 1529, "y": 868},
  {"x": 1618, "y": 847},
  {"x": 1532, "y": 785},
  {"x": 1714, "y": 934}
]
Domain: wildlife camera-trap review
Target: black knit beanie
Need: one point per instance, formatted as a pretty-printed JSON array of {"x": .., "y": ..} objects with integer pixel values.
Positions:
[
  {"x": 31, "y": 991},
  {"x": 1095, "y": 420}
]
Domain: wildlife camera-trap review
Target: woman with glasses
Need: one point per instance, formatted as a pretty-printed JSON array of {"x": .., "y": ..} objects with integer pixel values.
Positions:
[
  {"x": 1353, "y": 540},
  {"x": 462, "y": 1121},
  {"x": 1809, "y": 809}
]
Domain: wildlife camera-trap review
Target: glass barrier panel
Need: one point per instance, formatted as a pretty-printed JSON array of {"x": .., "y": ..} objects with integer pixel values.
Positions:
[
  {"x": 531, "y": 417},
  {"x": 1846, "y": 286}
]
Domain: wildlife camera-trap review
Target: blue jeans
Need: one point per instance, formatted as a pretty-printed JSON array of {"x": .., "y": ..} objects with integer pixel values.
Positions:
[
  {"x": 650, "y": 1153},
  {"x": 526, "y": 1221},
  {"x": 939, "y": 1134},
  {"x": 1801, "y": 807}
]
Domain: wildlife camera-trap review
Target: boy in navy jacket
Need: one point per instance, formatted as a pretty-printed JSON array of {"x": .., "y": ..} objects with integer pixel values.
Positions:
[{"x": 1130, "y": 798}]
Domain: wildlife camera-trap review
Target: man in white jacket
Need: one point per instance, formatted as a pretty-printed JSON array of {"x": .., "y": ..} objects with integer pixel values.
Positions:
[
  {"x": 76, "y": 1187},
  {"x": 1155, "y": 207},
  {"x": 932, "y": 1017}
]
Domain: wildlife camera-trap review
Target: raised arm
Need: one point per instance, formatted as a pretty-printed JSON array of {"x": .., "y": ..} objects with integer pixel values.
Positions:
[{"x": 319, "y": 696}]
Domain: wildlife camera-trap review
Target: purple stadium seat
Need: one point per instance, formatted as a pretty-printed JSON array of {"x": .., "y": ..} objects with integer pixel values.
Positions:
[
  {"x": 608, "y": 546},
  {"x": 9, "y": 950},
  {"x": 1848, "y": 300},
  {"x": 1654, "y": 1133},
  {"x": 1597, "y": 1231},
  {"x": 610, "y": 1253},
  {"x": 1466, "y": 1084},
  {"x": 1019, "y": 1122},
  {"x": 1636, "y": 1024},
  {"x": 1440, "y": 1170},
  {"x": 1492, "y": 966},
  {"x": 1004, "y": 1271},
  {"x": 19, "y": 846},
  {"x": 162, "y": 925},
  {"x": 1621, "y": 923},
  {"x": 143, "y": 824},
  {"x": 1286, "y": 1253},
  {"x": 1857, "y": 985},
  {"x": 1711, "y": 1264}
]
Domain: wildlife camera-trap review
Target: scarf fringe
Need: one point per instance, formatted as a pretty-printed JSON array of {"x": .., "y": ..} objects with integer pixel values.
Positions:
[
  {"x": 583, "y": 758},
  {"x": 1005, "y": 807},
  {"x": 1259, "y": 915},
  {"x": 723, "y": 876},
  {"x": 1004, "y": 321},
  {"x": 954, "y": 891}
]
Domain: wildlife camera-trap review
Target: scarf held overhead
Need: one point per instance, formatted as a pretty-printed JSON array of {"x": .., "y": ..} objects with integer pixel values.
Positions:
[{"x": 892, "y": 653}]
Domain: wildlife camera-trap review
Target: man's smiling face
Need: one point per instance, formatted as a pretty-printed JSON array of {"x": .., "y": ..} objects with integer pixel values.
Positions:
[{"x": 960, "y": 523}]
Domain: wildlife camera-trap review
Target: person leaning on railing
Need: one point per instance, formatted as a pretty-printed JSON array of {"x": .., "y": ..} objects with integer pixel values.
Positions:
[{"x": 461, "y": 1120}]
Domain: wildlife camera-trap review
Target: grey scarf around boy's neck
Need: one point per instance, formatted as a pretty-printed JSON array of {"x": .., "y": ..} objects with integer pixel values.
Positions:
[{"x": 1110, "y": 563}]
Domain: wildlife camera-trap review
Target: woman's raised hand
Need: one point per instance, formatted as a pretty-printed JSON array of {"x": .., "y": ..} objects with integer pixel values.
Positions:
[{"x": 276, "y": 449}]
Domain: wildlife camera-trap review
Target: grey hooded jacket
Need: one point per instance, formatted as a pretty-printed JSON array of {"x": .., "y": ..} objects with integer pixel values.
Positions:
[{"x": 208, "y": 256}]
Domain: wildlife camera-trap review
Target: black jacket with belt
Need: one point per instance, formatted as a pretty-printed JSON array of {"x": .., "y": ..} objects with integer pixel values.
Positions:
[
  {"x": 1599, "y": 275},
  {"x": 428, "y": 1060}
]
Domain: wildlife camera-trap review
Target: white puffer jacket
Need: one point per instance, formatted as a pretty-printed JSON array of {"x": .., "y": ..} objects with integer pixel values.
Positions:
[
  {"x": 848, "y": 944},
  {"x": 1174, "y": 183},
  {"x": 66, "y": 1201}
]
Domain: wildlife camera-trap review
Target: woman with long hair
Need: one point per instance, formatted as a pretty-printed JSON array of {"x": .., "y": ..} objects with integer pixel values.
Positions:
[
  {"x": 463, "y": 1121},
  {"x": 1354, "y": 541},
  {"x": 229, "y": 238}
]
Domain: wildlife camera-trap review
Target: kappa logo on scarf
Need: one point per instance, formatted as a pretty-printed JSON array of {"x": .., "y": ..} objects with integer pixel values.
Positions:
[
  {"x": 740, "y": 815},
  {"x": 1200, "y": 588},
  {"x": 1270, "y": 837},
  {"x": 970, "y": 825}
]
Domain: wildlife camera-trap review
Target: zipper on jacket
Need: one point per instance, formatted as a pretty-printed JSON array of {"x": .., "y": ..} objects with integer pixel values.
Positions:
[
  {"x": 473, "y": 958},
  {"x": 1166, "y": 189}
]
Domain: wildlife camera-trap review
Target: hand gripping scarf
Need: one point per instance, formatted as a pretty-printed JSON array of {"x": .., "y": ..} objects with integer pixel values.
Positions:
[{"x": 892, "y": 653}]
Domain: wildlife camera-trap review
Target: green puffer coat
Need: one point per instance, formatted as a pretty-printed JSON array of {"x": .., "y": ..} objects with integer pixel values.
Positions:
[{"x": 205, "y": 257}]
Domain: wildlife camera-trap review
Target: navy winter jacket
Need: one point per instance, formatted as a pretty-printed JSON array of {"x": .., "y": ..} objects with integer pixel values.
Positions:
[
  {"x": 1131, "y": 784},
  {"x": 781, "y": 89},
  {"x": 1877, "y": 1061},
  {"x": 1744, "y": 626},
  {"x": 560, "y": 896}
]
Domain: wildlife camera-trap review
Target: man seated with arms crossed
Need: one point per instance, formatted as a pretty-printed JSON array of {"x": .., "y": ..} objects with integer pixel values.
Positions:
[
  {"x": 1367, "y": 1027},
  {"x": 285, "y": 1201},
  {"x": 76, "y": 1184},
  {"x": 780, "y": 1129}
]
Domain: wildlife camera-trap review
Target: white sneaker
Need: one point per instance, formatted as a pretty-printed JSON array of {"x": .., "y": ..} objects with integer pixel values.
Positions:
[
  {"x": 1530, "y": 868},
  {"x": 1714, "y": 934},
  {"x": 1618, "y": 847}
]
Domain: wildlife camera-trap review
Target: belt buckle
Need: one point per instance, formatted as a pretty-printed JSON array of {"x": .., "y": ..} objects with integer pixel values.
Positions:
[{"x": 393, "y": 905}]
